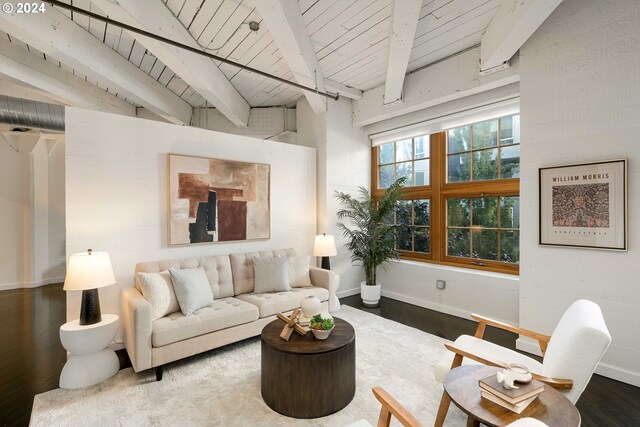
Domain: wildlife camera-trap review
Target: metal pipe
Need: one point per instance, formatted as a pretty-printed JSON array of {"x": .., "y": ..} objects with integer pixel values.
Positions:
[
  {"x": 31, "y": 114},
  {"x": 187, "y": 48}
]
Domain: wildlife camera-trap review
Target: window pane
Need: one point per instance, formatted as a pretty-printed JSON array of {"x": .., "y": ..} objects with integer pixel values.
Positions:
[
  {"x": 421, "y": 212},
  {"x": 485, "y": 164},
  {"x": 458, "y": 166},
  {"x": 485, "y": 244},
  {"x": 403, "y": 241},
  {"x": 421, "y": 172},
  {"x": 458, "y": 242},
  {"x": 385, "y": 176},
  {"x": 386, "y": 153},
  {"x": 510, "y": 246},
  {"x": 458, "y": 140},
  {"x": 485, "y": 134},
  {"x": 405, "y": 169},
  {"x": 510, "y": 130},
  {"x": 510, "y": 162},
  {"x": 421, "y": 239},
  {"x": 485, "y": 212},
  {"x": 458, "y": 212},
  {"x": 404, "y": 150},
  {"x": 403, "y": 212},
  {"x": 421, "y": 144},
  {"x": 510, "y": 212}
]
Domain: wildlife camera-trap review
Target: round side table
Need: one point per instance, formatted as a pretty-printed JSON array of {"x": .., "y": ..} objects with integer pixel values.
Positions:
[{"x": 91, "y": 361}]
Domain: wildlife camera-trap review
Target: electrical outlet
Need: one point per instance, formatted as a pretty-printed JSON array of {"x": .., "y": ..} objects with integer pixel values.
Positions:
[{"x": 441, "y": 284}]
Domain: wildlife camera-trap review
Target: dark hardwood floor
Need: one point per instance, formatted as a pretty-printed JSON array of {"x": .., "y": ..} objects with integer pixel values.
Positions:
[
  {"x": 31, "y": 356},
  {"x": 604, "y": 403}
]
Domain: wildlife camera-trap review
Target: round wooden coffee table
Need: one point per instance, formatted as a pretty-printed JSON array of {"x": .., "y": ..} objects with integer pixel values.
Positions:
[
  {"x": 461, "y": 385},
  {"x": 305, "y": 377}
]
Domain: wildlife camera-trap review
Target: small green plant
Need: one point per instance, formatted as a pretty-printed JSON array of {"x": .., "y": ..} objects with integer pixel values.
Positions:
[{"x": 318, "y": 322}]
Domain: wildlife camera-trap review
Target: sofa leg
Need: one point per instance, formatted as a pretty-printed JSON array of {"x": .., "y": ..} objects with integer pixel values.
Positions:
[{"x": 158, "y": 373}]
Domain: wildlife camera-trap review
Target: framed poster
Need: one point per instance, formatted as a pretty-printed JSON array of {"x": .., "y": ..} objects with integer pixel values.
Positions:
[
  {"x": 213, "y": 200},
  {"x": 584, "y": 205}
]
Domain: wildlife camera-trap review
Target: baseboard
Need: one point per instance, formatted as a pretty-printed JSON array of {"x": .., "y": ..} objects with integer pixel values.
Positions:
[
  {"x": 426, "y": 304},
  {"x": 530, "y": 345},
  {"x": 348, "y": 292},
  {"x": 28, "y": 285}
]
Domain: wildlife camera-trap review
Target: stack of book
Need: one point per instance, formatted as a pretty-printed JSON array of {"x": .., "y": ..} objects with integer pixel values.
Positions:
[{"x": 515, "y": 400}]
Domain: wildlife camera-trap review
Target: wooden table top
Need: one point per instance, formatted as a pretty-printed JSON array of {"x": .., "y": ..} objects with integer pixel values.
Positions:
[
  {"x": 551, "y": 406},
  {"x": 341, "y": 335}
]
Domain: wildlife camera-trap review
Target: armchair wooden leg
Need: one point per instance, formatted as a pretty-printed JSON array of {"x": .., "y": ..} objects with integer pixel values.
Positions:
[
  {"x": 445, "y": 401},
  {"x": 384, "y": 420}
]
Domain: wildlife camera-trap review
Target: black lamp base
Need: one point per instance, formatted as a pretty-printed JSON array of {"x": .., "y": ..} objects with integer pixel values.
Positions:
[
  {"x": 90, "y": 308},
  {"x": 325, "y": 263}
]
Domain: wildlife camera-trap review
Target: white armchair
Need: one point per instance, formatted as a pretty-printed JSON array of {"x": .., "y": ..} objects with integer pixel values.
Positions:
[{"x": 571, "y": 353}]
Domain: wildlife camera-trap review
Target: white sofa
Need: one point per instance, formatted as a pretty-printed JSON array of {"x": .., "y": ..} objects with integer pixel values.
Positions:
[{"x": 237, "y": 312}]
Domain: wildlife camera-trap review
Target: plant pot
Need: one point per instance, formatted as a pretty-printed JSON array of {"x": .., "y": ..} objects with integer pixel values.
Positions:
[
  {"x": 370, "y": 295},
  {"x": 321, "y": 334}
]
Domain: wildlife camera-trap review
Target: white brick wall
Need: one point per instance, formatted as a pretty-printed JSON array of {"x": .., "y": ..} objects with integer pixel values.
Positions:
[{"x": 580, "y": 101}]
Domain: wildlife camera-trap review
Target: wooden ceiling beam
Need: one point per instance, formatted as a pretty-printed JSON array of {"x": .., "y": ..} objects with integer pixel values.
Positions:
[
  {"x": 61, "y": 85},
  {"x": 201, "y": 73},
  {"x": 58, "y": 36},
  {"x": 404, "y": 21},
  {"x": 511, "y": 27},
  {"x": 285, "y": 23}
]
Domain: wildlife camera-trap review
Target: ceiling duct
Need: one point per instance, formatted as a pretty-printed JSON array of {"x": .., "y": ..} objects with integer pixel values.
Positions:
[{"x": 31, "y": 114}]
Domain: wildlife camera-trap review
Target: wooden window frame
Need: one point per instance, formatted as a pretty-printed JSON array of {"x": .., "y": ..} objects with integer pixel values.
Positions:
[{"x": 438, "y": 192}]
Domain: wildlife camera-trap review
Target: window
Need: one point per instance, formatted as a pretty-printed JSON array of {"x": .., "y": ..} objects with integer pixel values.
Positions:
[
  {"x": 461, "y": 202},
  {"x": 407, "y": 157}
]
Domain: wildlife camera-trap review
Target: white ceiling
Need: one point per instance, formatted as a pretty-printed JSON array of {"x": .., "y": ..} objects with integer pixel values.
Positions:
[{"x": 350, "y": 39}]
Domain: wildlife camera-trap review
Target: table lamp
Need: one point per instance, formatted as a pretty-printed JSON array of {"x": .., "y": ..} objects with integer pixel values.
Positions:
[
  {"x": 325, "y": 246},
  {"x": 86, "y": 272}
]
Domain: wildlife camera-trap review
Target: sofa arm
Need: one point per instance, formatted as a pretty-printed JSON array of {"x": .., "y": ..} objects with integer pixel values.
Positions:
[
  {"x": 135, "y": 317},
  {"x": 330, "y": 281}
]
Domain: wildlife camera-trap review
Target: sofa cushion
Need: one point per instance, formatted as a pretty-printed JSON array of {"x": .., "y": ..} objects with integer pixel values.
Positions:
[
  {"x": 192, "y": 289},
  {"x": 271, "y": 274},
  {"x": 223, "y": 313},
  {"x": 157, "y": 288},
  {"x": 271, "y": 303},
  {"x": 242, "y": 268},
  {"x": 216, "y": 267},
  {"x": 299, "y": 271}
]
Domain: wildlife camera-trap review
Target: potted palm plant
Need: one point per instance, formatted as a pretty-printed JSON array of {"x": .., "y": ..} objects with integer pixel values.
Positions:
[{"x": 371, "y": 234}]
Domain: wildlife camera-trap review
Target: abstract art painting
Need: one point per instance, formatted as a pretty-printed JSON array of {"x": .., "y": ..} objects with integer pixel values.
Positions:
[
  {"x": 213, "y": 200},
  {"x": 584, "y": 205}
]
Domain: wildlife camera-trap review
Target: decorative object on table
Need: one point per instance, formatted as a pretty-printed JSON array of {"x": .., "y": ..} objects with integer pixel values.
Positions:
[
  {"x": 372, "y": 240},
  {"x": 212, "y": 200},
  {"x": 321, "y": 327},
  {"x": 310, "y": 306},
  {"x": 515, "y": 372},
  {"x": 325, "y": 246},
  {"x": 584, "y": 205},
  {"x": 513, "y": 396},
  {"x": 290, "y": 324},
  {"x": 517, "y": 408},
  {"x": 86, "y": 272},
  {"x": 91, "y": 362}
]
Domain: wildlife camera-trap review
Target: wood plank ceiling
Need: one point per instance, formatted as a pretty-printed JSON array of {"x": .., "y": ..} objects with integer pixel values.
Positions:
[{"x": 350, "y": 39}]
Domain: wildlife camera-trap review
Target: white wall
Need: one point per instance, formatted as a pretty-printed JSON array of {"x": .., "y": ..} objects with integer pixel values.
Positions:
[
  {"x": 31, "y": 210},
  {"x": 116, "y": 191},
  {"x": 580, "y": 101},
  {"x": 343, "y": 164}
]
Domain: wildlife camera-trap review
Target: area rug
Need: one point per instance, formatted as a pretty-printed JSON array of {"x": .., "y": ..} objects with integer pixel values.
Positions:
[{"x": 222, "y": 387}]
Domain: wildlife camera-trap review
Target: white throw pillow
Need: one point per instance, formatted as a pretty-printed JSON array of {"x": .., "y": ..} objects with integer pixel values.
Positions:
[
  {"x": 299, "y": 271},
  {"x": 271, "y": 275},
  {"x": 192, "y": 289},
  {"x": 157, "y": 288}
]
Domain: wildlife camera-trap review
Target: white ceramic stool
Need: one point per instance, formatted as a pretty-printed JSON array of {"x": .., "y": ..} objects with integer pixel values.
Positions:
[{"x": 91, "y": 361}]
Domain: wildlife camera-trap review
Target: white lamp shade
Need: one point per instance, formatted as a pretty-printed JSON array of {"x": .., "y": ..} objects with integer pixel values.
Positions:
[
  {"x": 324, "y": 245},
  {"x": 88, "y": 271}
]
